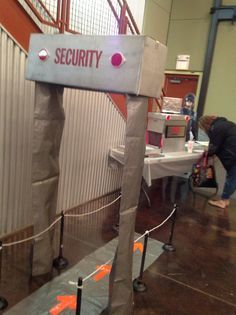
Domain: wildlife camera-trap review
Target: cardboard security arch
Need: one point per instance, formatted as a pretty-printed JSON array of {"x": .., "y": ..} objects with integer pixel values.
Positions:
[
  {"x": 122, "y": 64},
  {"x": 132, "y": 65}
]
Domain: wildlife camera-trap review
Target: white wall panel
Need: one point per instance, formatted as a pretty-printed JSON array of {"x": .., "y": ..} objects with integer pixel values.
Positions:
[{"x": 137, "y": 10}]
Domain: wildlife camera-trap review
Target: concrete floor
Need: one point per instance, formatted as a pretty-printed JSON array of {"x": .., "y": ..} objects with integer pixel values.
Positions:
[{"x": 199, "y": 278}]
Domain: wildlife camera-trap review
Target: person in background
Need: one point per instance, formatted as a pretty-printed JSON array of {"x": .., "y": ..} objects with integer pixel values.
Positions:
[
  {"x": 188, "y": 109},
  {"x": 222, "y": 143}
]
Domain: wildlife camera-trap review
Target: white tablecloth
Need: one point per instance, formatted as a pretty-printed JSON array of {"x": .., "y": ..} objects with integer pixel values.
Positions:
[{"x": 172, "y": 164}]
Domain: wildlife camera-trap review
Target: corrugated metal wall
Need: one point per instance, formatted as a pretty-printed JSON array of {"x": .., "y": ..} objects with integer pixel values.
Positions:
[
  {"x": 16, "y": 117},
  {"x": 92, "y": 126}
]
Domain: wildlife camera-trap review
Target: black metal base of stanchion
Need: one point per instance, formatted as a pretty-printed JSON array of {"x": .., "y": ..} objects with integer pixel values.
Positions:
[
  {"x": 115, "y": 227},
  {"x": 60, "y": 263},
  {"x": 168, "y": 247},
  {"x": 3, "y": 303},
  {"x": 139, "y": 285}
]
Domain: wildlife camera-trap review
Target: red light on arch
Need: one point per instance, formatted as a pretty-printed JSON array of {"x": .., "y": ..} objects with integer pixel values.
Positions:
[
  {"x": 117, "y": 59},
  {"x": 43, "y": 54}
]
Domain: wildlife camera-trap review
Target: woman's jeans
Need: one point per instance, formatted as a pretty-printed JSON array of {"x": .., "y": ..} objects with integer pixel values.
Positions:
[{"x": 230, "y": 183}]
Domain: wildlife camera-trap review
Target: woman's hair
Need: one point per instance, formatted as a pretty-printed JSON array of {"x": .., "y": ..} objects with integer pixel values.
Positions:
[{"x": 205, "y": 122}]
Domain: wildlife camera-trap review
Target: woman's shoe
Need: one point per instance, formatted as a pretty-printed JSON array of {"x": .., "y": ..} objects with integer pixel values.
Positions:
[{"x": 219, "y": 203}]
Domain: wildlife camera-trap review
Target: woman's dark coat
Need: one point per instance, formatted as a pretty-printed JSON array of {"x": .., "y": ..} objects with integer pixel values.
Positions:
[{"x": 222, "y": 135}]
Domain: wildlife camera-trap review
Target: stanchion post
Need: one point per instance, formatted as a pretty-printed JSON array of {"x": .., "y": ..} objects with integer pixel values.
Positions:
[
  {"x": 3, "y": 301},
  {"x": 169, "y": 246},
  {"x": 138, "y": 283},
  {"x": 1, "y": 247},
  {"x": 79, "y": 296},
  {"x": 61, "y": 262}
]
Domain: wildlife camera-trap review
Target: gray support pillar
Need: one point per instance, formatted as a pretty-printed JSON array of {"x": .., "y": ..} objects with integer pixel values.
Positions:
[
  {"x": 219, "y": 13},
  {"x": 48, "y": 126},
  {"x": 208, "y": 59},
  {"x": 121, "y": 287}
]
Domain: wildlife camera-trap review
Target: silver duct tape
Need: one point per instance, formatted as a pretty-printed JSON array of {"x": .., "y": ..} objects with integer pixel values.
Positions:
[
  {"x": 48, "y": 126},
  {"x": 44, "y": 196},
  {"x": 121, "y": 288}
]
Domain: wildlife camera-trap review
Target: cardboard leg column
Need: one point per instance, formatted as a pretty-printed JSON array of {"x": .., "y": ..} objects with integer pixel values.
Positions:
[
  {"x": 121, "y": 287},
  {"x": 48, "y": 126}
]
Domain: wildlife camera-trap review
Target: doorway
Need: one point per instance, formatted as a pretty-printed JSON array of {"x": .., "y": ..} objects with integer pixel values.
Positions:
[{"x": 178, "y": 85}]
